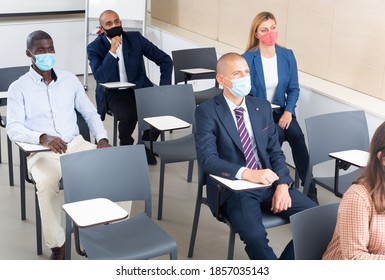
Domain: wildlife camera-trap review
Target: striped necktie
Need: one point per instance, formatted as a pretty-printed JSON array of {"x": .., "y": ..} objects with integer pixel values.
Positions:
[{"x": 251, "y": 162}]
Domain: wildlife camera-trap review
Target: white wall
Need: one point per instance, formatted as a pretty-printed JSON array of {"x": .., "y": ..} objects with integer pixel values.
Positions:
[
  {"x": 68, "y": 33},
  {"x": 39, "y": 6}
]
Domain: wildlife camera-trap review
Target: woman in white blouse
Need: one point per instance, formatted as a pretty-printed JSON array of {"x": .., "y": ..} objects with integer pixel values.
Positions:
[{"x": 274, "y": 76}]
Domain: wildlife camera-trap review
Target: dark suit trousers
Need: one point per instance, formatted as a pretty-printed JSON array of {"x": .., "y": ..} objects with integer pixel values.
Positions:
[
  {"x": 123, "y": 106},
  {"x": 294, "y": 136},
  {"x": 244, "y": 212}
]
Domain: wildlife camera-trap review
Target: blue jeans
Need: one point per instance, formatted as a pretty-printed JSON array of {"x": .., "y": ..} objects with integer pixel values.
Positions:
[
  {"x": 244, "y": 212},
  {"x": 294, "y": 136}
]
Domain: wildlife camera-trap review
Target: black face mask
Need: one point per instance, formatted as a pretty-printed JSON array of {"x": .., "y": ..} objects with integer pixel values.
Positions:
[{"x": 114, "y": 31}]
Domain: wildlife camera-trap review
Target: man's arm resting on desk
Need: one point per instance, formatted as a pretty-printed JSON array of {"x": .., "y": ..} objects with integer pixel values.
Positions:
[
  {"x": 55, "y": 144},
  {"x": 260, "y": 176}
]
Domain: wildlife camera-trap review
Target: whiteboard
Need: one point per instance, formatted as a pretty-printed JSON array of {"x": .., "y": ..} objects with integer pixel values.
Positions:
[
  {"x": 40, "y": 6},
  {"x": 126, "y": 9}
]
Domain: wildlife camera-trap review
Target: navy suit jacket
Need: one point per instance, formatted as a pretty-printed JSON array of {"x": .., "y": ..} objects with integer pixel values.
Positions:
[
  {"x": 105, "y": 67},
  {"x": 219, "y": 148},
  {"x": 287, "y": 92}
]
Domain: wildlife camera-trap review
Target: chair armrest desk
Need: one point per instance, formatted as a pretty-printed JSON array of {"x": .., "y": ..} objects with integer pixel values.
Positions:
[
  {"x": 188, "y": 73},
  {"x": 344, "y": 159},
  {"x": 93, "y": 212},
  {"x": 164, "y": 123}
]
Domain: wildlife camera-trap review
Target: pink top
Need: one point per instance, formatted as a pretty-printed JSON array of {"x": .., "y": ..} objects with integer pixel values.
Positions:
[{"x": 360, "y": 231}]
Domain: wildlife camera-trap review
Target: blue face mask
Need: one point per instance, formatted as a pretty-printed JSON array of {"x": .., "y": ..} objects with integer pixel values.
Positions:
[
  {"x": 241, "y": 87},
  {"x": 44, "y": 61}
]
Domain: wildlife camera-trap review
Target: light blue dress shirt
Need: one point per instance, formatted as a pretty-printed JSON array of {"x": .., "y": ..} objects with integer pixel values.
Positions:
[{"x": 35, "y": 108}]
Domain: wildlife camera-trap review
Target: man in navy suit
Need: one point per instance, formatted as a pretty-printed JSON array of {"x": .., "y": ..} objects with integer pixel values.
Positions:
[
  {"x": 116, "y": 56},
  {"x": 220, "y": 152}
]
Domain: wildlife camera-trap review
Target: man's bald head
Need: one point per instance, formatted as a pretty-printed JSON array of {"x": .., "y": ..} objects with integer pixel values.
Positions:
[
  {"x": 231, "y": 66},
  {"x": 105, "y": 14},
  {"x": 226, "y": 60}
]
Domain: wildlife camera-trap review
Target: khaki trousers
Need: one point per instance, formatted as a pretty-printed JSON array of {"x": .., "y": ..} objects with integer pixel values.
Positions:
[{"x": 46, "y": 172}]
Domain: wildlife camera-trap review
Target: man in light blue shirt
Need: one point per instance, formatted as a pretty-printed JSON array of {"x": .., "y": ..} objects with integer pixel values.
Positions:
[{"x": 41, "y": 110}]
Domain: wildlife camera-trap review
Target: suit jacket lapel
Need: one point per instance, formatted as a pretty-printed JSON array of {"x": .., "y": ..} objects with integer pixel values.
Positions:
[
  {"x": 126, "y": 47},
  {"x": 106, "y": 43},
  {"x": 227, "y": 120},
  {"x": 280, "y": 67},
  {"x": 254, "y": 112},
  {"x": 259, "y": 71}
]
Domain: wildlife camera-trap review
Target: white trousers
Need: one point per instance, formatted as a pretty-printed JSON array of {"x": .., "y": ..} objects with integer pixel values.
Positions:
[{"x": 46, "y": 172}]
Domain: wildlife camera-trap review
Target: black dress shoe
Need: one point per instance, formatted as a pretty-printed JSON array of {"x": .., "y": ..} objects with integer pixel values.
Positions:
[
  {"x": 313, "y": 196},
  {"x": 151, "y": 159},
  {"x": 58, "y": 253}
]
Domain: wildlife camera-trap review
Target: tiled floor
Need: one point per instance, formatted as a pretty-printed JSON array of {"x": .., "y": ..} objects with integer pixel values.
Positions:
[{"x": 17, "y": 237}]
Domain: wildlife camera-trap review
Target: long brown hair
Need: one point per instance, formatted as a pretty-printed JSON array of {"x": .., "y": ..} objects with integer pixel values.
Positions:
[
  {"x": 373, "y": 176},
  {"x": 257, "y": 21}
]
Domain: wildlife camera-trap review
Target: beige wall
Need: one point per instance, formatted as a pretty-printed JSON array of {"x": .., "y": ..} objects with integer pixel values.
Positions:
[{"x": 342, "y": 41}]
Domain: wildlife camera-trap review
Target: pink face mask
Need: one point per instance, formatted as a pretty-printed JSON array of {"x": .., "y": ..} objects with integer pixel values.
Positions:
[{"x": 269, "y": 38}]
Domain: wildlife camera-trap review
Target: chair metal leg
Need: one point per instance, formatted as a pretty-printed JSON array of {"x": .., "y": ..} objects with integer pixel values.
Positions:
[
  {"x": 194, "y": 230},
  {"x": 161, "y": 189},
  {"x": 115, "y": 136},
  {"x": 190, "y": 171},
  {"x": 10, "y": 161},
  {"x": 230, "y": 251},
  {"x": 39, "y": 241},
  {"x": 0, "y": 147},
  {"x": 68, "y": 232},
  {"x": 22, "y": 183},
  {"x": 174, "y": 254}
]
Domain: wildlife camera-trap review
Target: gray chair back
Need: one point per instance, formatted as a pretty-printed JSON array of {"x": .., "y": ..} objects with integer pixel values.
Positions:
[
  {"x": 117, "y": 173},
  {"x": 335, "y": 132},
  {"x": 312, "y": 231},
  {"x": 83, "y": 127},
  {"x": 194, "y": 58},
  {"x": 173, "y": 100},
  {"x": 8, "y": 75}
]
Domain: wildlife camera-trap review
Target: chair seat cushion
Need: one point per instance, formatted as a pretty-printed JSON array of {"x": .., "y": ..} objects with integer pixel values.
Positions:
[
  {"x": 345, "y": 181},
  {"x": 112, "y": 242},
  {"x": 177, "y": 150}
]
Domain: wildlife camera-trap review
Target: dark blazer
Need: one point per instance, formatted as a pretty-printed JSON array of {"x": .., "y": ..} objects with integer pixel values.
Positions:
[
  {"x": 287, "y": 92},
  {"x": 105, "y": 67},
  {"x": 219, "y": 148}
]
